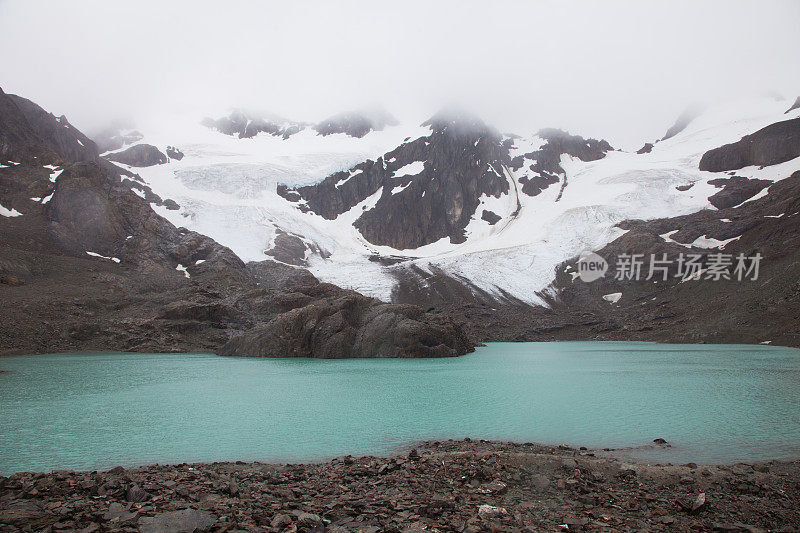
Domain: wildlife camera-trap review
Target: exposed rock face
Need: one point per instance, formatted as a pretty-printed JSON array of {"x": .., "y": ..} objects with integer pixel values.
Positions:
[
  {"x": 490, "y": 216},
  {"x": 685, "y": 118},
  {"x": 246, "y": 125},
  {"x": 356, "y": 123},
  {"x": 95, "y": 268},
  {"x": 57, "y": 133},
  {"x": 646, "y": 149},
  {"x": 425, "y": 189},
  {"x": 289, "y": 249},
  {"x": 735, "y": 190},
  {"x": 174, "y": 153},
  {"x": 139, "y": 155},
  {"x": 546, "y": 166},
  {"x": 774, "y": 144},
  {"x": 18, "y": 141},
  {"x": 347, "y": 324}
]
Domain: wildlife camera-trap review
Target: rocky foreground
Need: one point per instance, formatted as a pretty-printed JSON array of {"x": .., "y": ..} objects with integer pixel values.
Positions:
[{"x": 439, "y": 486}]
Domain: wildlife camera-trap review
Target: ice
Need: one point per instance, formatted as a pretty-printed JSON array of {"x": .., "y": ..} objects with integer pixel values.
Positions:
[
  {"x": 709, "y": 242},
  {"x": 352, "y": 174},
  {"x": 181, "y": 268},
  {"x": 8, "y": 213},
  {"x": 613, "y": 298},
  {"x": 411, "y": 169},
  {"x": 94, "y": 254},
  {"x": 226, "y": 189},
  {"x": 400, "y": 188},
  {"x": 55, "y": 174},
  {"x": 761, "y": 194}
]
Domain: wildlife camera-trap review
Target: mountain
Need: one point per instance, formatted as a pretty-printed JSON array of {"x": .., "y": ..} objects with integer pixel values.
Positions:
[
  {"x": 87, "y": 264},
  {"x": 360, "y": 233},
  {"x": 455, "y": 216},
  {"x": 245, "y": 125}
]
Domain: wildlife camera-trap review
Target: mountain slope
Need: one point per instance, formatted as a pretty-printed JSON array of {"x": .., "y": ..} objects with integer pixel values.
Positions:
[{"x": 87, "y": 264}]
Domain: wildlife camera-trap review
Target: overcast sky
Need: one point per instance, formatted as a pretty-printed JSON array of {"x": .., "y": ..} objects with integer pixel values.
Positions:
[{"x": 621, "y": 70}]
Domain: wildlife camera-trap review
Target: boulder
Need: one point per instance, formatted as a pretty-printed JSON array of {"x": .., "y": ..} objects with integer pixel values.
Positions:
[
  {"x": 183, "y": 521},
  {"x": 340, "y": 323}
]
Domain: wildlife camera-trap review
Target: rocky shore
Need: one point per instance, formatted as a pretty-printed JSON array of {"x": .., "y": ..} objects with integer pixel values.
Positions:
[{"x": 437, "y": 486}]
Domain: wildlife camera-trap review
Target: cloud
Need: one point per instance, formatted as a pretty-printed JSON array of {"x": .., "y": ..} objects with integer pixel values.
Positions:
[{"x": 622, "y": 70}]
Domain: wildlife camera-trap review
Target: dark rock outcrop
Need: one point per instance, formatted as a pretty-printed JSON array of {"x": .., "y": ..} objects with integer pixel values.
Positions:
[
  {"x": 356, "y": 123},
  {"x": 139, "y": 155},
  {"x": 174, "y": 153},
  {"x": 490, "y": 216},
  {"x": 347, "y": 324},
  {"x": 18, "y": 141},
  {"x": 57, "y": 132},
  {"x": 771, "y": 145},
  {"x": 289, "y": 249},
  {"x": 735, "y": 190},
  {"x": 646, "y": 149}
]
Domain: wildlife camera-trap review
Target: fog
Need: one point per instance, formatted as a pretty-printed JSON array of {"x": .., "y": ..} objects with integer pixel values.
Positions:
[{"x": 618, "y": 70}]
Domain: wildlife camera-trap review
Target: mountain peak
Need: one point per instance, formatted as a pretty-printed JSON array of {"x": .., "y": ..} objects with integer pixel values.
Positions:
[
  {"x": 357, "y": 123},
  {"x": 459, "y": 120}
]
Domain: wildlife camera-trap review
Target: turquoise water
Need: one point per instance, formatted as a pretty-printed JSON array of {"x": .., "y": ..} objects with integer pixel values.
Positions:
[{"x": 715, "y": 403}]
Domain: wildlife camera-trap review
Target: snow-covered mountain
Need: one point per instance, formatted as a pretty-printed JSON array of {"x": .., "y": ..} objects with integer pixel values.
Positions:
[{"x": 368, "y": 208}]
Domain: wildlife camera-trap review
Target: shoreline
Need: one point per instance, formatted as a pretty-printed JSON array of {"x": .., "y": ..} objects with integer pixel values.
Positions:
[
  {"x": 464, "y": 485},
  {"x": 479, "y": 344}
]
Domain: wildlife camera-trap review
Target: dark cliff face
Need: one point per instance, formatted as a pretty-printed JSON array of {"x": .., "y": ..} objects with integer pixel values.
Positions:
[
  {"x": 18, "y": 141},
  {"x": 57, "y": 132},
  {"x": 92, "y": 267},
  {"x": 771, "y": 145},
  {"x": 429, "y": 188}
]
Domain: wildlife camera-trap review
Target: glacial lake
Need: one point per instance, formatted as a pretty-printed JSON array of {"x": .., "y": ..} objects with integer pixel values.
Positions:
[{"x": 714, "y": 403}]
